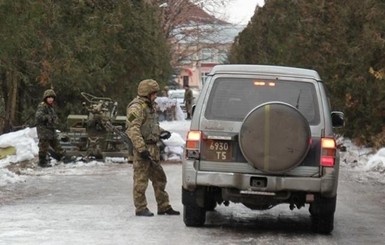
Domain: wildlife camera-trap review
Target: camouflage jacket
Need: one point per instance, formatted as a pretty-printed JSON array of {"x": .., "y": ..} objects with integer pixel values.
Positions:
[
  {"x": 143, "y": 126},
  {"x": 188, "y": 96},
  {"x": 46, "y": 121}
]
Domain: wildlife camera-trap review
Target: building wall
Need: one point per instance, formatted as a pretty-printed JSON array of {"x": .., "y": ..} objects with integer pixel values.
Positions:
[{"x": 196, "y": 69}]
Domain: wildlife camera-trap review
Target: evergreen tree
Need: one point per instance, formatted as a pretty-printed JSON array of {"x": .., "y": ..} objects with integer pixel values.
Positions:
[
  {"x": 342, "y": 40},
  {"x": 101, "y": 47}
]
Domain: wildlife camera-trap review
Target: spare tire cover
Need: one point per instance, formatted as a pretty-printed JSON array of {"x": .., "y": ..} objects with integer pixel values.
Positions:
[{"x": 274, "y": 137}]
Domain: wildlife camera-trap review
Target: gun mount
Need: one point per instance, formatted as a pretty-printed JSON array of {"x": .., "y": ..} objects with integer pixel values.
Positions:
[{"x": 97, "y": 132}]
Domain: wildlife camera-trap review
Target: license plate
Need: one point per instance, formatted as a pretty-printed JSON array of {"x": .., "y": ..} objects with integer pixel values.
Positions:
[{"x": 218, "y": 150}]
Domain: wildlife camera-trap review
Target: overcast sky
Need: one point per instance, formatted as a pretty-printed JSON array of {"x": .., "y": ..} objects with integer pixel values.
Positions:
[{"x": 240, "y": 11}]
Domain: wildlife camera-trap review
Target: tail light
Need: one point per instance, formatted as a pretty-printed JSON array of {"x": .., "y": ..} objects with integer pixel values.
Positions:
[
  {"x": 193, "y": 141},
  {"x": 328, "y": 152}
]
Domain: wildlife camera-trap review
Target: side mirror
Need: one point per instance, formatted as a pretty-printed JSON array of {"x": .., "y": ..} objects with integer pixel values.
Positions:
[{"x": 338, "y": 120}]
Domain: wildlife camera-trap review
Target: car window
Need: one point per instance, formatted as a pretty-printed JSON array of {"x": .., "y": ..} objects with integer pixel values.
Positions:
[{"x": 233, "y": 98}]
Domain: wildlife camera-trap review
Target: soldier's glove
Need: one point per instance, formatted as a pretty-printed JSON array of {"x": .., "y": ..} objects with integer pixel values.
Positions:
[
  {"x": 145, "y": 155},
  {"x": 165, "y": 135}
]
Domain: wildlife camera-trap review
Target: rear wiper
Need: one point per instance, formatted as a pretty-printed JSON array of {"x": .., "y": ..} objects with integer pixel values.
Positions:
[{"x": 299, "y": 96}]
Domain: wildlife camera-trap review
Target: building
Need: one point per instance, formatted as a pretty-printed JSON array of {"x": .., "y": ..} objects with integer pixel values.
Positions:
[
  {"x": 204, "y": 53},
  {"x": 199, "y": 41}
]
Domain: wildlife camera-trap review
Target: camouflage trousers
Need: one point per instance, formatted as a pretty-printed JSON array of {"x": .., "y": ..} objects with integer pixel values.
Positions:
[
  {"x": 143, "y": 172},
  {"x": 44, "y": 145}
]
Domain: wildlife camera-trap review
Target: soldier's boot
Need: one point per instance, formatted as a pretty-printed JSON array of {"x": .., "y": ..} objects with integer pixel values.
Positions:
[
  {"x": 68, "y": 159},
  {"x": 145, "y": 212},
  {"x": 62, "y": 156},
  {"x": 43, "y": 161},
  {"x": 55, "y": 155},
  {"x": 169, "y": 211}
]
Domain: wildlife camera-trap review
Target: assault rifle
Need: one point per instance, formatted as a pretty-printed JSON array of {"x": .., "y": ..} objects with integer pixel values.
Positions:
[{"x": 123, "y": 136}]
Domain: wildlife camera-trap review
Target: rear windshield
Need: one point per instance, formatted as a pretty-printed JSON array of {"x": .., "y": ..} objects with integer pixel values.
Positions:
[{"x": 231, "y": 99}]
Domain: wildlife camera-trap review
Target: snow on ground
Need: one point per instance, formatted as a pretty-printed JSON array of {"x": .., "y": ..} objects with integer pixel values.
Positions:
[
  {"x": 363, "y": 162},
  {"x": 25, "y": 142}
]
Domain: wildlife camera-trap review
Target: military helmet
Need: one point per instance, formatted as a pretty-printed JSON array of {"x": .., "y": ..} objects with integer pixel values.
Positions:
[
  {"x": 166, "y": 88},
  {"x": 147, "y": 87},
  {"x": 49, "y": 93}
]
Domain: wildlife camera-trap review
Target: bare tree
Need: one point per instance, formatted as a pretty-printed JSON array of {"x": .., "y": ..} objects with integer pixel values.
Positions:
[{"x": 190, "y": 27}]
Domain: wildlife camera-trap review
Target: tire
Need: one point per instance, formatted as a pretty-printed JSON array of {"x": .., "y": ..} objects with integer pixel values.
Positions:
[
  {"x": 275, "y": 137},
  {"x": 323, "y": 224},
  {"x": 322, "y": 214},
  {"x": 194, "y": 216}
]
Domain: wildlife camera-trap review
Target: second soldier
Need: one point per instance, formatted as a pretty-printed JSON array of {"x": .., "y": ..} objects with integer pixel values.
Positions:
[{"x": 144, "y": 131}]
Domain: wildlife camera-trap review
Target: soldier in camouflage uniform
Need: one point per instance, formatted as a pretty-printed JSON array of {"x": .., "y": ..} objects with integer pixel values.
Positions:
[
  {"x": 165, "y": 91},
  {"x": 46, "y": 121},
  {"x": 144, "y": 131},
  {"x": 188, "y": 100}
]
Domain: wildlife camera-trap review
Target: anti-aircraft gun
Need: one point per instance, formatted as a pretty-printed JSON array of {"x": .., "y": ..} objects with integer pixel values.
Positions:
[{"x": 98, "y": 132}]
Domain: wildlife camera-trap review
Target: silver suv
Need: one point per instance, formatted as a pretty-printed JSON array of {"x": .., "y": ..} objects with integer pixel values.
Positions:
[{"x": 262, "y": 136}]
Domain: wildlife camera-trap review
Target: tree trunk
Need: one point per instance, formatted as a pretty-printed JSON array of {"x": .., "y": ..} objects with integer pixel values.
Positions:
[{"x": 12, "y": 83}]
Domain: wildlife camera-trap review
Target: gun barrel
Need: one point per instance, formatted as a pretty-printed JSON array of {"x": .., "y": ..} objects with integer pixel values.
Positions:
[{"x": 123, "y": 136}]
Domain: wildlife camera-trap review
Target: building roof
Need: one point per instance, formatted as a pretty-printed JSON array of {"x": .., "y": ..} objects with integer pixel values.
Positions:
[
  {"x": 197, "y": 14},
  {"x": 184, "y": 11}
]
